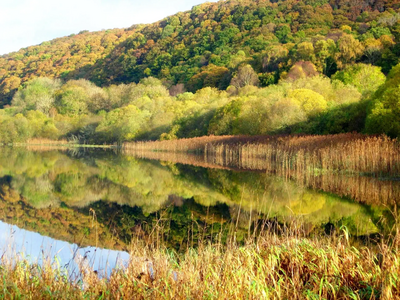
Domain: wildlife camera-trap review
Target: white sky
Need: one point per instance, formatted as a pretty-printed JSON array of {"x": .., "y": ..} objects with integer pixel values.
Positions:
[{"x": 30, "y": 22}]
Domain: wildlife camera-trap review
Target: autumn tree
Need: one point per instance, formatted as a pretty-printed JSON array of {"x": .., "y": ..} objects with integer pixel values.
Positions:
[
  {"x": 302, "y": 69},
  {"x": 177, "y": 89},
  {"x": 373, "y": 50},
  {"x": 311, "y": 102},
  {"x": 8, "y": 87},
  {"x": 273, "y": 58},
  {"x": 245, "y": 76},
  {"x": 350, "y": 50},
  {"x": 211, "y": 76}
]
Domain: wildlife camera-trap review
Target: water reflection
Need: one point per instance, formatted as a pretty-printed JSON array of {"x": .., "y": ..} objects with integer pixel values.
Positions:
[
  {"x": 100, "y": 198},
  {"x": 16, "y": 243}
]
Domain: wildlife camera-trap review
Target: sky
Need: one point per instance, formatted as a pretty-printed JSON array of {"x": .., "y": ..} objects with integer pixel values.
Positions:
[{"x": 25, "y": 23}]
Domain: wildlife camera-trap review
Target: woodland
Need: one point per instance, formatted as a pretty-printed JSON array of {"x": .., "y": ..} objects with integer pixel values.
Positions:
[{"x": 231, "y": 67}]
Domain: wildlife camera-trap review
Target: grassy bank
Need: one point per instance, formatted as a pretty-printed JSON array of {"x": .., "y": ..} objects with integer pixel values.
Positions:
[
  {"x": 271, "y": 267},
  {"x": 291, "y": 155}
]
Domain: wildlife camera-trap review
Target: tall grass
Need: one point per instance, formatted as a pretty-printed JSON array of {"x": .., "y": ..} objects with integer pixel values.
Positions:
[
  {"x": 272, "y": 266},
  {"x": 318, "y": 162},
  {"x": 288, "y": 155}
]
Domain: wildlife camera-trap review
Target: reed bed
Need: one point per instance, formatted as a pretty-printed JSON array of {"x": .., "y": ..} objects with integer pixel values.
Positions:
[
  {"x": 363, "y": 189},
  {"x": 291, "y": 155},
  {"x": 349, "y": 153},
  {"x": 178, "y": 157},
  {"x": 38, "y": 144},
  {"x": 271, "y": 267},
  {"x": 367, "y": 190},
  {"x": 182, "y": 145},
  {"x": 41, "y": 141}
]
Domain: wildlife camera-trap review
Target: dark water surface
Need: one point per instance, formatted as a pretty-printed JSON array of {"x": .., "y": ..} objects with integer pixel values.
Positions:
[{"x": 99, "y": 199}]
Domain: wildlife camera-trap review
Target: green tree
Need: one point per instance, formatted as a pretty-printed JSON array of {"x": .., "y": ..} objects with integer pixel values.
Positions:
[
  {"x": 384, "y": 112},
  {"x": 384, "y": 116},
  {"x": 17, "y": 129},
  {"x": 273, "y": 58},
  {"x": 225, "y": 120},
  {"x": 305, "y": 52},
  {"x": 77, "y": 97},
  {"x": 325, "y": 51},
  {"x": 41, "y": 126},
  {"x": 283, "y": 32},
  {"x": 285, "y": 113},
  {"x": 122, "y": 124},
  {"x": 366, "y": 78},
  {"x": 37, "y": 94}
]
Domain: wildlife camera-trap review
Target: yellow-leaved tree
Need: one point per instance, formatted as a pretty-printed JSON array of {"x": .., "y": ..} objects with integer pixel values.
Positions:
[{"x": 311, "y": 102}]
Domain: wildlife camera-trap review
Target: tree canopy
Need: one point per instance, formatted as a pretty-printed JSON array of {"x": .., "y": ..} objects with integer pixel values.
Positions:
[{"x": 208, "y": 44}]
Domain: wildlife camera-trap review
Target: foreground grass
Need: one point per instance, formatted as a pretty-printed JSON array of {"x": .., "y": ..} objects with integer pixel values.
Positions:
[{"x": 273, "y": 267}]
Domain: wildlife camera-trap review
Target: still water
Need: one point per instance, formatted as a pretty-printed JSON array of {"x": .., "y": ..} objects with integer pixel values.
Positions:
[
  {"x": 96, "y": 202},
  {"x": 35, "y": 248}
]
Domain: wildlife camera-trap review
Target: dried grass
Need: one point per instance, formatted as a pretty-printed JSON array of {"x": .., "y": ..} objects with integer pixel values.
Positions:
[
  {"x": 285, "y": 155},
  {"x": 271, "y": 267}
]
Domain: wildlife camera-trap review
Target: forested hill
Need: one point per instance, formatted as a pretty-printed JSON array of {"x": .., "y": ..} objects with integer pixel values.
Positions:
[{"x": 204, "y": 46}]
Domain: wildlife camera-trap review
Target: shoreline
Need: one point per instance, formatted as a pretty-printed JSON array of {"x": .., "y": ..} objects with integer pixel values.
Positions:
[{"x": 270, "y": 267}]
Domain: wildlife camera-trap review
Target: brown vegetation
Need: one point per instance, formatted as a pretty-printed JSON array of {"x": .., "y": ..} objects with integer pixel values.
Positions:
[
  {"x": 271, "y": 267},
  {"x": 318, "y": 162},
  {"x": 347, "y": 153}
]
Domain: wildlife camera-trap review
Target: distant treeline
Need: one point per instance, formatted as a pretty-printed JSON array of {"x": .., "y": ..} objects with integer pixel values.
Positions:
[{"x": 357, "y": 99}]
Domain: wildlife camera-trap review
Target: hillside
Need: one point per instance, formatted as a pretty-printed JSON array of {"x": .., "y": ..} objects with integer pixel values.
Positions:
[
  {"x": 202, "y": 47},
  {"x": 231, "y": 67}
]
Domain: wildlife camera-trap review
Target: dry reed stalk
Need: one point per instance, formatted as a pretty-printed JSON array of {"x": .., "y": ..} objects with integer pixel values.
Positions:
[
  {"x": 314, "y": 161},
  {"x": 348, "y": 153},
  {"x": 42, "y": 141}
]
